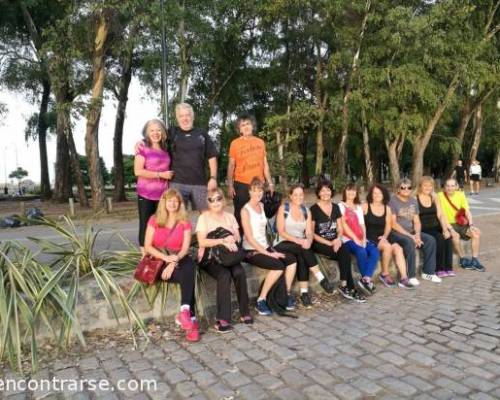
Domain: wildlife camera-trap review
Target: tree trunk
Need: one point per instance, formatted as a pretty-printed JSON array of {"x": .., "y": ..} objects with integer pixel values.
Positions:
[
  {"x": 184, "y": 57},
  {"x": 281, "y": 158},
  {"x": 119, "y": 175},
  {"x": 422, "y": 140},
  {"x": 478, "y": 130},
  {"x": 62, "y": 185},
  {"x": 304, "y": 178},
  {"x": 42, "y": 141},
  {"x": 94, "y": 113},
  {"x": 459, "y": 135},
  {"x": 340, "y": 161},
  {"x": 366, "y": 149},
  {"x": 497, "y": 166},
  {"x": 75, "y": 165},
  {"x": 394, "y": 149},
  {"x": 321, "y": 101}
]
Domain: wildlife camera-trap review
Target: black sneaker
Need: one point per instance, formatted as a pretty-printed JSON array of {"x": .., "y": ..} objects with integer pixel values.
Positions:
[
  {"x": 344, "y": 291},
  {"x": 363, "y": 286},
  {"x": 357, "y": 296},
  {"x": 465, "y": 263},
  {"x": 327, "y": 286},
  {"x": 476, "y": 265},
  {"x": 305, "y": 299}
]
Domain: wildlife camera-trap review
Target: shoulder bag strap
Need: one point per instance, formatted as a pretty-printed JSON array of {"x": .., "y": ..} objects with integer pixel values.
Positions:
[{"x": 449, "y": 201}]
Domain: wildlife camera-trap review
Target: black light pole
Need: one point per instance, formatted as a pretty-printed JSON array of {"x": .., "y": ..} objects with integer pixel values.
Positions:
[{"x": 164, "y": 65}]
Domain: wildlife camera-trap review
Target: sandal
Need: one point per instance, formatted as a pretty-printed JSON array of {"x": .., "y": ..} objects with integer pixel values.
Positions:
[
  {"x": 222, "y": 326},
  {"x": 247, "y": 319}
]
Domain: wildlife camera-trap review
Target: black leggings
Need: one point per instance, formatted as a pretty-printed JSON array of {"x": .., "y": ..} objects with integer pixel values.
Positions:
[
  {"x": 223, "y": 275},
  {"x": 146, "y": 209},
  {"x": 184, "y": 275},
  {"x": 241, "y": 197},
  {"x": 343, "y": 256},
  {"x": 305, "y": 258},
  {"x": 267, "y": 262},
  {"x": 444, "y": 250}
]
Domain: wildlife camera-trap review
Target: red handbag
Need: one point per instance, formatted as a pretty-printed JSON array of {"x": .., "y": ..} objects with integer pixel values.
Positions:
[
  {"x": 460, "y": 216},
  {"x": 149, "y": 270}
]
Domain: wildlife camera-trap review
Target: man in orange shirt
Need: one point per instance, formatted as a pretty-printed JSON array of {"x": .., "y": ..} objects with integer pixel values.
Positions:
[{"x": 247, "y": 160}]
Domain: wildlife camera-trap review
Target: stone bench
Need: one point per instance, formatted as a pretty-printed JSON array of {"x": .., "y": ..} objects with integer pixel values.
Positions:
[{"x": 94, "y": 312}]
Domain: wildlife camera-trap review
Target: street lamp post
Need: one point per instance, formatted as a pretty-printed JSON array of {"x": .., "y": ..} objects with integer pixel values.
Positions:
[{"x": 164, "y": 64}]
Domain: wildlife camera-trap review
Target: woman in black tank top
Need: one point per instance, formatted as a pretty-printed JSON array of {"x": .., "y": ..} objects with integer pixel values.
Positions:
[
  {"x": 378, "y": 228},
  {"x": 433, "y": 223}
]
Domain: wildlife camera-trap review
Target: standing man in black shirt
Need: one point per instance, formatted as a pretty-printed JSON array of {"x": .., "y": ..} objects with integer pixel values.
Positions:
[{"x": 460, "y": 174}]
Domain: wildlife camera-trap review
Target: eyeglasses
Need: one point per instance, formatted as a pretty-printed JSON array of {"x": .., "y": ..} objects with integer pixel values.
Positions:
[
  {"x": 214, "y": 199},
  {"x": 405, "y": 187}
]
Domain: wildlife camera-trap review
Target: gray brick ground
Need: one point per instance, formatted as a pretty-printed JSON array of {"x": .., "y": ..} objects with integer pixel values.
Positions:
[{"x": 443, "y": 343}]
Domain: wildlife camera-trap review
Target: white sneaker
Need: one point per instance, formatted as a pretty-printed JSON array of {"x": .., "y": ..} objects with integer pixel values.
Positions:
[
  {"x": 414, "y": 281},
  {"x": 433, "y": 278}
]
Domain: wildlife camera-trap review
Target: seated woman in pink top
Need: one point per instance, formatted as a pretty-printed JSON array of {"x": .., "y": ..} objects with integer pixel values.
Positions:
[
  {"x": 168, "y": 237},
  {"x": 151, "y": 166}
]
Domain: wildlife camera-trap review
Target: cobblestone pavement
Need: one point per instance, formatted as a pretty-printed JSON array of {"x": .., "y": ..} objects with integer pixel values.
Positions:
[{"x": 438, "y": 342}]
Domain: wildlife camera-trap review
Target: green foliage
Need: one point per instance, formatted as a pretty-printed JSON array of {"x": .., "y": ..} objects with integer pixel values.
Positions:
[
  {"x": 18, "y": 174},
  {"x": 85, "y": 170}
]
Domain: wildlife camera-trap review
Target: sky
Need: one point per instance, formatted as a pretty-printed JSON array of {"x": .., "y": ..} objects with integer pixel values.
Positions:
[{"x": 15, "y": 151}]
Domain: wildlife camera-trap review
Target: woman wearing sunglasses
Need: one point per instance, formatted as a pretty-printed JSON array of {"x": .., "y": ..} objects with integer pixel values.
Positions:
[
  {"x": 209, "y": 221},
  {"x": 407, "y": 232},
  {"x": 169, "y": 229},
  {"x": 259, "y": 251}
]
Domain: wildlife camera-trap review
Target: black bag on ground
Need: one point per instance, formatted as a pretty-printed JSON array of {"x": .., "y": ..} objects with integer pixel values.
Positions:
[
  {"x": 12, "y": 221},
  {"x": 221, "y": 254},
  {"x": 33, "y": 215},
  {"x": 277, "y": 298}
]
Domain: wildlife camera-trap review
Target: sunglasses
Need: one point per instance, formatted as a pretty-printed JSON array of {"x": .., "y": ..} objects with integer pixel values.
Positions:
[
  {"x": 405, "y": 187},
  {"x": 214, "y": 199}
]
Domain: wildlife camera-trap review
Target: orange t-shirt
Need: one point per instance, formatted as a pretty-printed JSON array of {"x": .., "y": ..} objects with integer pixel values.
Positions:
[{"x": 249, "y": 155}]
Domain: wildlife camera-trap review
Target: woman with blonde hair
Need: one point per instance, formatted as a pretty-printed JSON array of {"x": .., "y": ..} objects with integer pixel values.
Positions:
[
  {"x": 168, "y": 236},
  {"x": 435, "y": 224},
  {"x": 152, "y": 169}
]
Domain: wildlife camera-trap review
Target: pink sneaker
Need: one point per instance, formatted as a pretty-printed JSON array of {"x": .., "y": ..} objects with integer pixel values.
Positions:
[
  {"x": 451, "y": 273},
  {"x": 442, "y": 274},
  {"x": 193, "y": 335},
  {"x": 183, "y": 319}
]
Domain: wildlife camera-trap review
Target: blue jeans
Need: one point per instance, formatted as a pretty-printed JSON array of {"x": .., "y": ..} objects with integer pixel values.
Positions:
[{"x": 367, "y": 257}]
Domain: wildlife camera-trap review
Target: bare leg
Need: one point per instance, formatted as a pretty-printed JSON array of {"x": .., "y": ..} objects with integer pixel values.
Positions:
[
  {"x": 475, "y": 239},
  {"x": 271, "y": 278},
  {"x": 399, "y": 257},
  {"x": 386, "y": 250},
  {"x": 289, "y": 276}
]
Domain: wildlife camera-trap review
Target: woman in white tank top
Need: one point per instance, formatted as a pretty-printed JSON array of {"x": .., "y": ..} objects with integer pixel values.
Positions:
[{"x": 259, "y": 252}]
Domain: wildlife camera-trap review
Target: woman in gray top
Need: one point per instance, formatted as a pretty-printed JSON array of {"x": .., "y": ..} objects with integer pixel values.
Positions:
[{"x": 295, "y": 236}]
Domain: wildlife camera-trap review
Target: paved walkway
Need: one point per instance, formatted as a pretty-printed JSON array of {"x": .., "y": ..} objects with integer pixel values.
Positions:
[{"x": 437, "y": 342}]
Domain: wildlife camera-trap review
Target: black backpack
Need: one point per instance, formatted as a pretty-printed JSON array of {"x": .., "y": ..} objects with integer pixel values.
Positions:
[
  {"x": 221, "y": 253},
  {"x": 277, "y": 298},
  {"x": 271, "y": 203}
]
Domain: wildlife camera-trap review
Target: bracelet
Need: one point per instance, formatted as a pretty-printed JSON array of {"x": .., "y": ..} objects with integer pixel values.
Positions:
[{"x": 213, "y": 177}]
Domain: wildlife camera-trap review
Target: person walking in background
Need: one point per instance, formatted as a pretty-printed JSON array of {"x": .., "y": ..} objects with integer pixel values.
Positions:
[
  {"x": 434, "y": 223},
  {"x": 407, "y": 232},
  {"x": 213, "y": 218},
  {"x": 260, "y": 252},
  {"x": 328, "y": 231},
  {"x": 455, "y": 207},
  {"x": 247, "y": 160},
  {"x": 295, "y": 235},
  {"x": 169, "y": 229},
  {"x": 152, "y": 169},
  {"x": 354, "y": 237},
  {"x": 460, "y": 174},
  {"x": 378, "y": 222},
  {"x": 475, "y": 177}
]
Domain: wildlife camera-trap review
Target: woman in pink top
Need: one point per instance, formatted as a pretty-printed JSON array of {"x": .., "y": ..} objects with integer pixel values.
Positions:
[
  {"x": 151, "y": 166},
  {"x": 168, "y": 237}
]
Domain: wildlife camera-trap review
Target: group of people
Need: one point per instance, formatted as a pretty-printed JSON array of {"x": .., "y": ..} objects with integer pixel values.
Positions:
[
  {"x": 170, "y": 166},
  {"x": 473, "y": 176}
]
